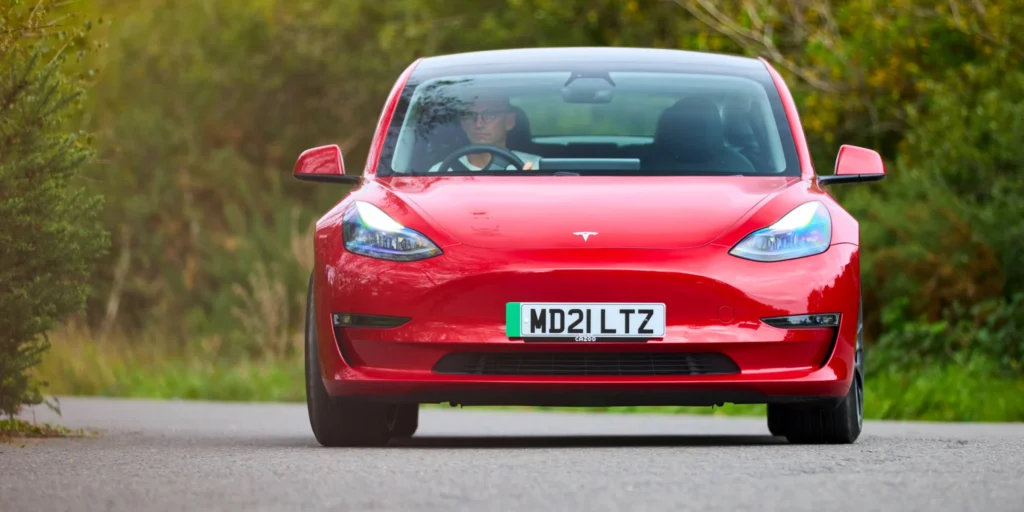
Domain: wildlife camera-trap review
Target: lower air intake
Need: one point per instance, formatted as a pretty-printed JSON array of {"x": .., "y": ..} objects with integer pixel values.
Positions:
[{"x": 588, "y": 364}]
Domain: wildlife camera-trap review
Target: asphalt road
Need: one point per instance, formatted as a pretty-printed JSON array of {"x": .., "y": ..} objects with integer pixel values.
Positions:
[{"x": 218, "y": 456}]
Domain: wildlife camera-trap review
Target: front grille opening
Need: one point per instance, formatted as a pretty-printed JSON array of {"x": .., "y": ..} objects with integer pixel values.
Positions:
[{"x": 586, "y": 364}]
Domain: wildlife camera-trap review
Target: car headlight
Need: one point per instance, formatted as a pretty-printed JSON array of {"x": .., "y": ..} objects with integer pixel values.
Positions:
[
  {"x": 368, "y": 231},
  {"x": 804, "y": 231}
]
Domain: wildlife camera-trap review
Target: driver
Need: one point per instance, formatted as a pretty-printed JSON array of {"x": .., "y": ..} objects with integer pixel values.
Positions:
[{"x": 487, "y": 120}]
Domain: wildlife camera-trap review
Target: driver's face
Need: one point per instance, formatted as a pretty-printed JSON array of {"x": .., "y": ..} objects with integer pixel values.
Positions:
[{"x": 488, "y": 122}]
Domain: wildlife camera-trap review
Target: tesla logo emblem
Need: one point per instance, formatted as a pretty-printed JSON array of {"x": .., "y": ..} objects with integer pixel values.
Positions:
[{"x": 585, "y": 234}]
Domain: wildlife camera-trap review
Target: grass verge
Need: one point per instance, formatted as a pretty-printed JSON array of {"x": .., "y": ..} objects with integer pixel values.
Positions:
[
  {"x": 952, "y": 392},
  {"x": 17, "y": 428}
]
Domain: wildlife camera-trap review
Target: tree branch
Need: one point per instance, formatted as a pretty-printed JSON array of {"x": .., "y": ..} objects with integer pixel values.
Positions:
[{"x": 760, "y": 41}]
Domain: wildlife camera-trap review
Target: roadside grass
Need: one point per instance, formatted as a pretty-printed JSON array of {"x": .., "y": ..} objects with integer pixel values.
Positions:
[
  {"x": 116, "y": 367},
  {"x": 12, "y": 429},
  {"x": 953, "y": 392}
]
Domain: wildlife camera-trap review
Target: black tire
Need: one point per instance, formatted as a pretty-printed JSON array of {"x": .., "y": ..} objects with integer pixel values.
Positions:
[
  {"x": 777, "y": 419},
  {"x": 340, "y": 421},
  {"x": 408, "y": 421},
  {"x": 839, "y": 425}
]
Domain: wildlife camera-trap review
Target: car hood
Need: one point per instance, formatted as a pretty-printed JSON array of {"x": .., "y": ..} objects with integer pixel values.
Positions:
[{"x": 559, "y": 212}]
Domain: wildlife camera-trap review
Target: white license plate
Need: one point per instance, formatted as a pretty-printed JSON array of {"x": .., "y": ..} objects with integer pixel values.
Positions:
[{"x": 589, "y": 321}]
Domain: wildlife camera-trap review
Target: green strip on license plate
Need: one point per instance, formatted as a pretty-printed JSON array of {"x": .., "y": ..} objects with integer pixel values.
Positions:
[{"x": 513, "y": 325}]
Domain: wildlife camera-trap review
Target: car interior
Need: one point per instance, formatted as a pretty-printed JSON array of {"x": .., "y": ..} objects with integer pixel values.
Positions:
[
  {"x": 692, "y": 133},
  {"x": 698, "y": 134}
]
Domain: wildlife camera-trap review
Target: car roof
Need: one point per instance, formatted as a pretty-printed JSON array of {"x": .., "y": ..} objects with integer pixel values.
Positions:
[{"x": 620, "y": 58}]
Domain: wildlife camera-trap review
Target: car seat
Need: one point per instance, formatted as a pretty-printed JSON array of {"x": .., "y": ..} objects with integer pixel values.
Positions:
[{"x": 690, "y": 137}]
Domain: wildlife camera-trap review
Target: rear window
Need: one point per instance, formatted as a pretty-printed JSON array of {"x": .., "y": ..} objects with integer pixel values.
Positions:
[
  {"x": 605, "y": 122},
  {"x": 629, "y": 115}
]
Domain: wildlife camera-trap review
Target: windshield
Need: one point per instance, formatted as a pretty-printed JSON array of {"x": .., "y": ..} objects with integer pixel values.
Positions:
[{"x": 597, "y": 123}]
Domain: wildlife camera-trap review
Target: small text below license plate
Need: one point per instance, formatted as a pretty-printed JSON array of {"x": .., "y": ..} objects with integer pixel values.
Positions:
[{"x": 587, "y": 320}]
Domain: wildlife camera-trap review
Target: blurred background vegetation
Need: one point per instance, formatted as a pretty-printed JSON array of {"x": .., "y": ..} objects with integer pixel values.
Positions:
[{"x": 198, "y": 110}]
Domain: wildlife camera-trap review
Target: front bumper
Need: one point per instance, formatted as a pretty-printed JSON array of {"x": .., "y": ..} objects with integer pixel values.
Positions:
[{"x": 714, "y": 304}]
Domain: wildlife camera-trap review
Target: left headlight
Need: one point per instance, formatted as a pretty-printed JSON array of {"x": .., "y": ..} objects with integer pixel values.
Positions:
[
  {"x": 804, "y": 231},
  {"x": 368, "y": 231}
]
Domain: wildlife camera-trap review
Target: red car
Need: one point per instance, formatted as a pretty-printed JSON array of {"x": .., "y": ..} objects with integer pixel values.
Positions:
[{"x": 586, "y": 227}]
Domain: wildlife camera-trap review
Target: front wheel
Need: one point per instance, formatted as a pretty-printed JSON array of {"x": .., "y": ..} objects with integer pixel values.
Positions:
[
  {"x": 777, "y": 419},
  {"x": 340, "y": 421},
  {"x": 408, "y": 421},
  {"x": 825, "y": 425}
]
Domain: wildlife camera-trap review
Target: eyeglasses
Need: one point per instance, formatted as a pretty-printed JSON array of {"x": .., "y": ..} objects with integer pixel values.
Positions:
[{"x": 488, "y": 115}]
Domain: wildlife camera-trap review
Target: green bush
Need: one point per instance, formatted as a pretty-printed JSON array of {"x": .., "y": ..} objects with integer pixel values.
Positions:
[
  {"x": 200, "y": 112},
  {"x": 943, "y": 238},
  {"x": 991, "y": 330},
  {"x": 48, "y": 230},
  {"x": 946, "y": 237}
]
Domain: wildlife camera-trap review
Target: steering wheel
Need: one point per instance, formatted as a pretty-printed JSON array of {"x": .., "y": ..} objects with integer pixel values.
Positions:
[{"x": 498, "y": 153}]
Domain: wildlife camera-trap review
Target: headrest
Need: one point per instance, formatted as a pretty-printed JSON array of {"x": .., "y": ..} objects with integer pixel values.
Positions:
[
  {"x": 691, "y": 130},
  {"x": 519, "y": 137},
  {"x": 737, "y": 122}
]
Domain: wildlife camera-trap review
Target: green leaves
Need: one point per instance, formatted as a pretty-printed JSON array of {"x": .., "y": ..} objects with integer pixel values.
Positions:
[{"x": 49, "y": 236}]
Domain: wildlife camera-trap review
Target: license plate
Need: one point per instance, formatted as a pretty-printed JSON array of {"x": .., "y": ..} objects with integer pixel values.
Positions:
[{"x": 591, "y": 321}]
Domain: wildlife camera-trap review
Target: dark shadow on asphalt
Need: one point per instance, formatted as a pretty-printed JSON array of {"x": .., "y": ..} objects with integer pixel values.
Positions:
[
  {"x": 472, "y": 442},
  {"x": 479, "y": 442},
  {"x": 520, "y": 442}
]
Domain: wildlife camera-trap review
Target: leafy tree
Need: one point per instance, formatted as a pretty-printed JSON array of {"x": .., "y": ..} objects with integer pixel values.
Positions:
[
  {"x": 861, "y": 67},
  {"x": 48, "y": 230}
]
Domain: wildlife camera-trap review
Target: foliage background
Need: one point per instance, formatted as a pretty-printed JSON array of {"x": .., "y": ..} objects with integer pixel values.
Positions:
[{"x": 199, "y": 109}]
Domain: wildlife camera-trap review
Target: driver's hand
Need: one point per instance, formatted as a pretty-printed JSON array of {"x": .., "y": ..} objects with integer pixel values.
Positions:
[{"x": 528, "y": 166}]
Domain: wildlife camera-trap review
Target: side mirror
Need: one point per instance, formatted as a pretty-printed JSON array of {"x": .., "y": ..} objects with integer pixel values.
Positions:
[
  {"x": 856, "y": 165},
  {"x": 322, "y": 164}
]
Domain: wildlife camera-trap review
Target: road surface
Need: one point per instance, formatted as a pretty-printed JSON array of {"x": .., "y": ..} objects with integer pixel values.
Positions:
[{"x": 252, "y": 457}]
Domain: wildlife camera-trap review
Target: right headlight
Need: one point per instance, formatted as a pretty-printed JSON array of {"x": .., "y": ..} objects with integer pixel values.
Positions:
[
  {"x": 368, "y": 231},
  {"x": 804, "y": 231}
]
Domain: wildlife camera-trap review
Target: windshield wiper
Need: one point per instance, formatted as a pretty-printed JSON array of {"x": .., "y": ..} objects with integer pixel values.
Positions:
[{"x": 566, "y": 173}]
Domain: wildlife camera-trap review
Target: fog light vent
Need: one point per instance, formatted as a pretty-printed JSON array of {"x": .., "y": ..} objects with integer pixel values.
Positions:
[
  {"x": 815, "y": 321},
  {"x": 353, "y": 320}
]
